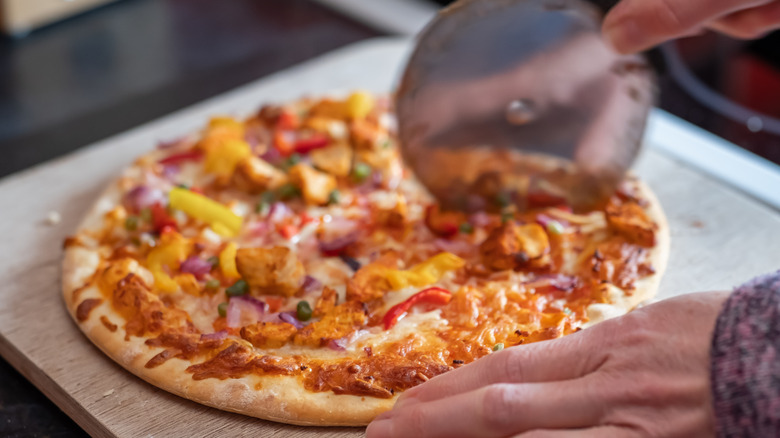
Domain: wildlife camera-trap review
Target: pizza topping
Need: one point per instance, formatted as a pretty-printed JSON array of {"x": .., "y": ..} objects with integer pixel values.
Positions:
[
  {"x": 443, "y": 223},
  {"x": 335, "y": 159},
  {"x": 631, "y": 221},
  {"x": 227, "y": 261},
  {"x": 243, "y": 310},
  {"x": 223, "y": 158},
  {"x": 182, "y": 157},
  {"x": 142, "y": 197},
  {"x": 196, "y": 266},
  {"x": 221, "y": 218},
  {"x": 432, "y": 295},
  {"x": 343, "y": 320},
  {"x": 240, "y": 287},
  {"x": 172, "y": 249},
  {"x": 160, "y": 218},
  {"x": 425, "y": 273},
  {"x": 511, "y": 246},
  {"x": 303, "y": 311},
  {"x": 289, "y": 317},
  {"x": 275, "y": 271},
  {"x": 325, "y": 303},
  {"x": 268, "y": 334},
  {"x": 255, "y": 175},
  {"x": 316, "y": 186}
]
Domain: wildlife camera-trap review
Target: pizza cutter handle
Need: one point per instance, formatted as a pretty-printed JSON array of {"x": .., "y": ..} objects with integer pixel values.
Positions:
[{"x": 654, "y": 56}]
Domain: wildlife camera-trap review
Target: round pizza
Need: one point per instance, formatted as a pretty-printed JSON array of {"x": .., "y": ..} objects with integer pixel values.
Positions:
[{"x": 289, "y": 267}]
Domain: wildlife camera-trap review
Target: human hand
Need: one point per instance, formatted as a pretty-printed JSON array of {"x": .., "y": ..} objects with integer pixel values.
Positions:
[
  {"x": 643, "y": 374},
  {"x": 634, "y": 25}
]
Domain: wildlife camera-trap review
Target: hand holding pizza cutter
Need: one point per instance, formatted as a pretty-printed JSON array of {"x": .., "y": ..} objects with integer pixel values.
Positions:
[{"x": 521, "y": 102}]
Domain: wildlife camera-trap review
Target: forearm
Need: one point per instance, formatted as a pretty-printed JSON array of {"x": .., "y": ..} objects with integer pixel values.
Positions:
[{"x": 746, "y": 360}]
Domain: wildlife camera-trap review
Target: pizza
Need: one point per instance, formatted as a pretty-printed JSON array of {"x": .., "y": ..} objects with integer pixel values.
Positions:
[{"x": 288, "y": 266}]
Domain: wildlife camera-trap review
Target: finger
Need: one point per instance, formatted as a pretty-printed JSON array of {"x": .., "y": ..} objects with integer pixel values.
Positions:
[
  {"x": 594, "y": 432},
  {"x": 635, "y": 25},
  {"x": 561, "y": 359},
  {"x": 750, "y": 24},
  {"x": 496, "y": 411}
]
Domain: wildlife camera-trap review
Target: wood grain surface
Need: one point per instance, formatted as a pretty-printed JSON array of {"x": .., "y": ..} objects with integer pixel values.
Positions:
[{"x": 719, "y": 238}]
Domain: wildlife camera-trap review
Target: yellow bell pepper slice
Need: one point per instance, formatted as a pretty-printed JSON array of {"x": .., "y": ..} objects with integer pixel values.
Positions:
[
  {"x": 360, "y": 104},
  {"x": 227, "y": 261},
  {"x": 226, "y": 126},
  {"x": 223, "y": 159},
  {"x": 425, "y": 273},
  {"x": 205, "y": 209},
  {"x": 170, "y": 252}
]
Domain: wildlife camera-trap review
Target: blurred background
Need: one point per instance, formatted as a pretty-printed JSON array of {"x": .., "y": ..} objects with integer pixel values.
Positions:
[{"x": 75, "y": 72}]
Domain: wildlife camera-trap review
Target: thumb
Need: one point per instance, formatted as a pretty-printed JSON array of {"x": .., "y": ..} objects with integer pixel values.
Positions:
[{"x": 635, "y": 25}]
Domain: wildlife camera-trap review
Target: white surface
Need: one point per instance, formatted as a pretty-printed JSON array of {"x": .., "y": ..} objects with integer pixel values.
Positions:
[
  {"x": 675, "y": 137},
  {"x": 401, "y": 17},
  {"x": 715, "y": 156}
]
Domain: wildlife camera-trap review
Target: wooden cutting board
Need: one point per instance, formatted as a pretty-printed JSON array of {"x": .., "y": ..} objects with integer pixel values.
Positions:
[{"x": 719, "y": 239}]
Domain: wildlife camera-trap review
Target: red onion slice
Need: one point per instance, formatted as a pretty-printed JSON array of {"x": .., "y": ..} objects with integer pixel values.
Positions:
[
  {"x": 196, "y": 266},
  {"x": 311, "y": 284},
  {"x": 290, "y": 319},
  {"x": 143, "y": 197},
  {"x": 279, "y": 211},
  {"x": 339, "y": 344},
  {"x": 244, "y": 310},
  {"x": 336, "y": 246}
]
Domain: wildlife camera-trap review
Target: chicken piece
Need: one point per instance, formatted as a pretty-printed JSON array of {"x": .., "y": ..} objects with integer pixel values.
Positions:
[
  {"x": 394, "y": 217},
  {"x": 335, "y": 159},
  {"x": 325, "y": 303},
  {"x": 273, "y": 271},
  {"x": 370, "y": 282},
  {"x": 630, "y": 220},
  {"x": 268, "y": 334},
  {"x": 366, "y": 134},
  {"x": 329, "y": 108},
  {"x": 513, "y": 246},
  {"x": 315, "y": 185},
  {"x": 255, "y": 175},
  {"x": 342, "y": 321}
]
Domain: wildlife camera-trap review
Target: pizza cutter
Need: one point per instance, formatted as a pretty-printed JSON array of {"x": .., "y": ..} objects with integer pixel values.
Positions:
[{"x": 521, "y": 102}]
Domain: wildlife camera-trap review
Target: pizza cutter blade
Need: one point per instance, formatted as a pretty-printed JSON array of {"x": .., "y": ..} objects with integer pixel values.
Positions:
[{"x": 521, "y": 101}]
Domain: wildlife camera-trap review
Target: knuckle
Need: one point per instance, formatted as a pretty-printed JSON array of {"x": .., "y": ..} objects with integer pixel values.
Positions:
[
  {"x": 510, "y": 365},
  {"x": 500, "y": 405},
  {"x": 668, "y": 15}
]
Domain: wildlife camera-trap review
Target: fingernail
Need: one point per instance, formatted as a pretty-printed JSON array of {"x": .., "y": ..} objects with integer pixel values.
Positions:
[{"x": 625, "y": 36}]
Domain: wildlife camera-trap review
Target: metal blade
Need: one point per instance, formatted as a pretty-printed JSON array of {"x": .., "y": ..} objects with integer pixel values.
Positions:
[{"x": 496, "y": 88}]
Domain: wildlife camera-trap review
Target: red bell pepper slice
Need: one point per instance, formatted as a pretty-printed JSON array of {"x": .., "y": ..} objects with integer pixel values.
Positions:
[
  {"x": 432, "y": 295},
  {"x": 161, "y": 220},
  {"x": 541, "y": 199},
  {"x": 307, "y": 145},
  {"x": 288, "y": 231},
  {"x": 444, "y": 224},
  {"x": 288, "y": 120},
  {"x": 182, "y": 157}
]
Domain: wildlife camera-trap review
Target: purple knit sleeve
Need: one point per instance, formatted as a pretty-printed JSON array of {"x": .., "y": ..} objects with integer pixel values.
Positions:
[{"x": 746, "y": 361}]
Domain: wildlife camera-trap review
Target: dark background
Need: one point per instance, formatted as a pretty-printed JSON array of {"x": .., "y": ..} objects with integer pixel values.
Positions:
[{"x": 97, "y": 74}]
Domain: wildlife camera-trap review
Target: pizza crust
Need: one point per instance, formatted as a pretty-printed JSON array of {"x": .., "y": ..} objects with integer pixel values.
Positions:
[{"x": 647, "y": 287}]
